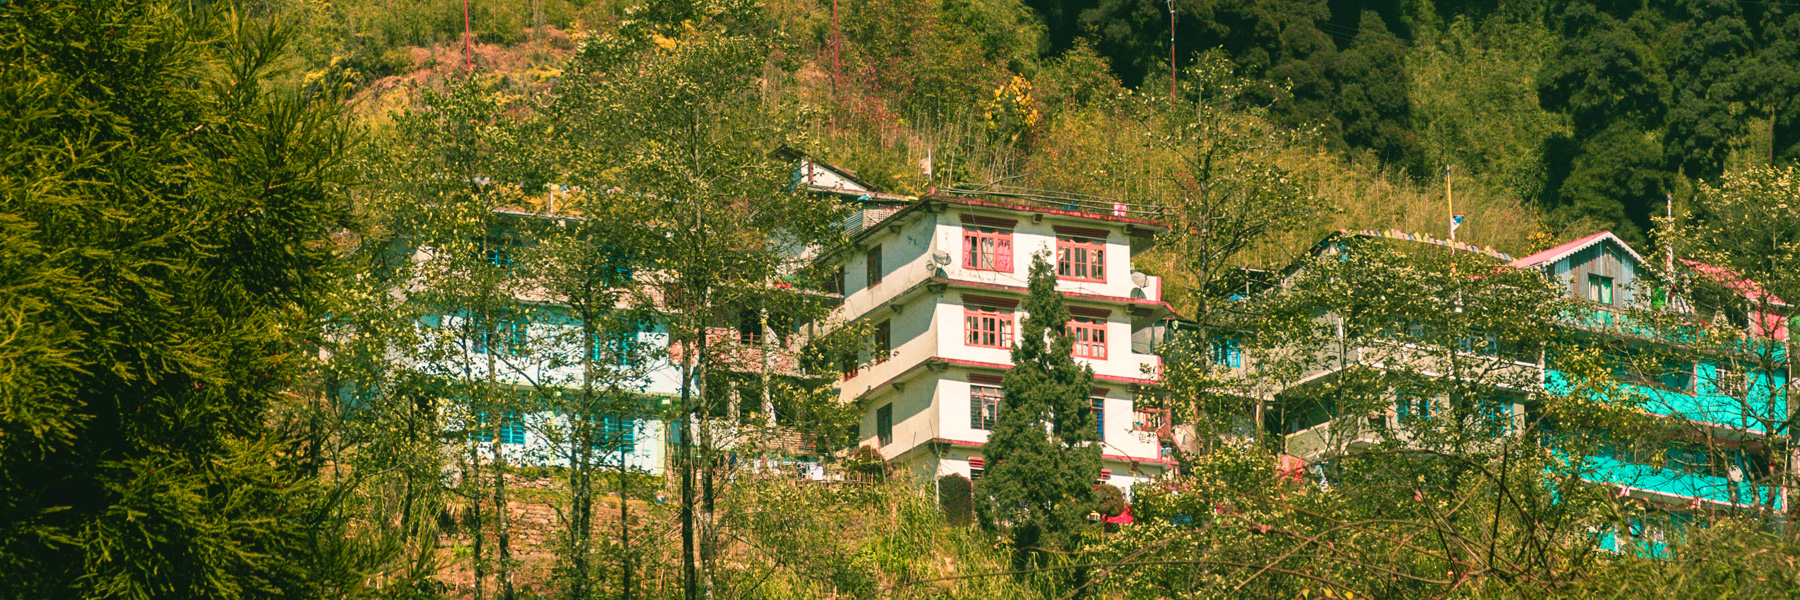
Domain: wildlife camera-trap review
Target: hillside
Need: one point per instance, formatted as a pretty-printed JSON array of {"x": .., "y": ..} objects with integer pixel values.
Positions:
[{"x": 1396, "y": 91}]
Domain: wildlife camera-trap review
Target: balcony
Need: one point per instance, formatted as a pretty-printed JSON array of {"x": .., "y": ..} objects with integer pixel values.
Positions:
[{"x": 1316, "y": 441}]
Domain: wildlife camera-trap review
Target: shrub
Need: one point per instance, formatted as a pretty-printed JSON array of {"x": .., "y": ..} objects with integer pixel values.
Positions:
[
  {"x": 956, "y": 497},
  {"x": 1109, "y": 499},
  {"x": 867, "y": 462}
]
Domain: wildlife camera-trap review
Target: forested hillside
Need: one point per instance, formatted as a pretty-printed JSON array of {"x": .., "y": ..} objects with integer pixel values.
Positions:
[
  {"x": 1556, "y": 118},
  {"x": 419, "y": 299}
]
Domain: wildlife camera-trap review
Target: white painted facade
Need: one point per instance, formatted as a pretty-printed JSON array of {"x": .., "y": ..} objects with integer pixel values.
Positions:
[{"x": 925, "y": 289}]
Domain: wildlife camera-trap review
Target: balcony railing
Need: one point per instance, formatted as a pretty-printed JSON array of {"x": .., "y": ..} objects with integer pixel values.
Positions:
[{"x": 1069, "y": 201}]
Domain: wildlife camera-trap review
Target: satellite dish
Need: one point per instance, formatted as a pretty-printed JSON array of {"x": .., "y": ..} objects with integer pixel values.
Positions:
[
  {"x": 1138, "y": 278},
  {"x": 940, "y": 257}
]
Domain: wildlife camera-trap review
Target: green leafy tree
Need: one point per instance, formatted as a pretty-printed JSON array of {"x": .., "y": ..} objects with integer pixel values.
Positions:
[
  {"x": 1372, "y": 99},
  {"x": 1707, "y": 72},
  {"x": 1045, "y": 451},
  {"x": 1218, "y": 183},
  {"x": 667, "y": 117},
  {"x": 165, "y": 212},
  {"x": 1407, "y": 377},
  {"x": 1739, "y": 251}
]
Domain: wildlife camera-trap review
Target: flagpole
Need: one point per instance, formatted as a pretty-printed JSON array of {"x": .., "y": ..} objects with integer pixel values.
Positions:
[
  {"x": 1449, "y": 205},
  {"x": 1669, "y": 244}
]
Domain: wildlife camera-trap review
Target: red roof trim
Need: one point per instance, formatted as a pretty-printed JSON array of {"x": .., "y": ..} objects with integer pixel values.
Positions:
[
  {"x": 975, "y": 364},
  {"x": 1563, "y": 250},
  {"x": 1750, "y": 290}
]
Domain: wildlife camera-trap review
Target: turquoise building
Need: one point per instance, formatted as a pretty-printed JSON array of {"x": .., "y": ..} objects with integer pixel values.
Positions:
[
  {"x": 1709, "y": 377},
  {"x": 1716, "y": 384}
]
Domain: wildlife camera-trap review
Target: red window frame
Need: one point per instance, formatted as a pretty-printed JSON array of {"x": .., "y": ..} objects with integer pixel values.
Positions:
[
  {"x": 984, "y": 406},
  {"x": 987, "y": 249},
  {"x": 988, "y": 327},
  {"x": 1090, "y": 337},
  {"x": 1080, "y": 259}
]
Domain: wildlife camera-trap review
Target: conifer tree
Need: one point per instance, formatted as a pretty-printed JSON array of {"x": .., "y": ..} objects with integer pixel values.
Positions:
[
  {"x": 1044, "y": 453},
  {"x": 165, "y": 213}
]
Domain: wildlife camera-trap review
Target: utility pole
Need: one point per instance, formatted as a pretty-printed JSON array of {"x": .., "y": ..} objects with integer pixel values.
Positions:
[
  {"x": 1171, "y": 50},
  {"x": 468, "y": 59}
]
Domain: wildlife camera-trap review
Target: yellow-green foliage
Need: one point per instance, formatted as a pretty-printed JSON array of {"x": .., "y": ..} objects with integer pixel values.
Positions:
[{"x": 796, "y": 539}]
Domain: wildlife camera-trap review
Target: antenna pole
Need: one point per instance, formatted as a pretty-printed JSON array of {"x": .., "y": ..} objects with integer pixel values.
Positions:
[
  {"x": 1171, "y": 51},
  {"x": 837, "y": 45}
]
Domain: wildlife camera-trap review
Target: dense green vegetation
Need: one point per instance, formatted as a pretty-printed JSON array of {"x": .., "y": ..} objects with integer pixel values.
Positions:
[
  {"x": 1588, "y": 113},
  {"x": 207, "y": 212},
  {"x": 164, "y": 222}
]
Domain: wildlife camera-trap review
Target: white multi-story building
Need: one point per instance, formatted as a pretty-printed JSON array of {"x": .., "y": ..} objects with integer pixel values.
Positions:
[{"x": 940, "y": 281}]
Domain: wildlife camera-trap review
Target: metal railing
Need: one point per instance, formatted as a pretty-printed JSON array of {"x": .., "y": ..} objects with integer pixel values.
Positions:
[{"x": 1069, "y": 201}]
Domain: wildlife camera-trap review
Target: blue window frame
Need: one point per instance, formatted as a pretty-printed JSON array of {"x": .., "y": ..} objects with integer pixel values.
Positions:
[
  {"x": 1227, "y": 353},
  {"x": 1498, "y": 415},
  {"x": 512, "y": 429},
  {"x": 508, "y": 335},
  {"x": 1412, "y": 405},
  {"x": 615, "y": 347},
  {"x": 617, "y": 434},
  {"x": 496, "y": 250}
]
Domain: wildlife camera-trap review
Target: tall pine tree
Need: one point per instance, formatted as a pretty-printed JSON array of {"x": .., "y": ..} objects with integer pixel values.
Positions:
[
  {"x": 165, "y": 214},
  {"x": 1044, "y": 453}
]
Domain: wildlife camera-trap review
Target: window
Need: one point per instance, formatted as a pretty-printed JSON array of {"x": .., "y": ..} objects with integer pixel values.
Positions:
[
  {"x": 1412, "y": 406},
  {"x": 1498, "y": 415},
  {"x": 872, "y": 266},
  {"x": 1677, "y": 375},
  {"x": 1146, "y": 419},
  {"x": 1600, "y": 289},
  {"x": 1480, "y": 344},
  {"x": 987, "y": 249},
  {"x": 987, "y": 326},
  {"x": 617, "y": 269},
  {"x": 1090, "y": 337},
  {"x": 884, "y": 342},
  {"x": 497, "y": 251},
  {"x": 848, "y": 364},
  {"x": 512, "y": 429},
  {"x": 1690, "y": 458},
  {"x": 1099, "y": 407},
  {"x": 750, "y": 327},
  {"x": 835, "y": 282},
  {"x": 507, "y": 335},
  {"x": 1227, "y": 353},
  {"x": 1082, "y": 259},
  {"x": 884, "y": 425},
  {"x": 617, "y": 434},
  {"x": 984, "y": 406},
  {"x": 977, "y": 468},
  {"x": 1729, "y": 380},
  {"x": 616, "y": 347}
]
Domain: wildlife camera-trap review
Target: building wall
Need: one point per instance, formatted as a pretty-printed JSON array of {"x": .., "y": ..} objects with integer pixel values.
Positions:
[
  {"x": 524, "y": 371},
  {"x": 1702, "y": 401},
  {"x": 929, "y": 323},
  {"x": 541, "y": 445}
]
